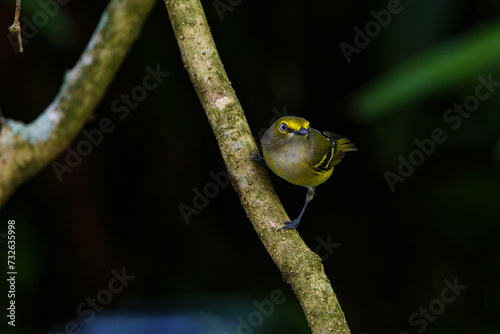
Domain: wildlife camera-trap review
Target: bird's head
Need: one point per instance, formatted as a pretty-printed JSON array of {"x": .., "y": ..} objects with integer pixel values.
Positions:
[
  {"x": 291, "y": 126},
  {"x": 285, "y": 129}
]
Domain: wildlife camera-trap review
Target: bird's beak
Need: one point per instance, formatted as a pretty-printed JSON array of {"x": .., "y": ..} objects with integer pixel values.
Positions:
[{"x": 302, "y": 132}]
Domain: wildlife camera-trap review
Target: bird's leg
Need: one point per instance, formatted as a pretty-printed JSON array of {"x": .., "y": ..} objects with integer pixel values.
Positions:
[
  {"x": 294, "y": 223},
  {"x": 258, "y": 158}
]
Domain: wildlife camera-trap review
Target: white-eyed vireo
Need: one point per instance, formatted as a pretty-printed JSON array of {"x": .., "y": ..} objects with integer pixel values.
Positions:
[{"x": 302, "y": 155}]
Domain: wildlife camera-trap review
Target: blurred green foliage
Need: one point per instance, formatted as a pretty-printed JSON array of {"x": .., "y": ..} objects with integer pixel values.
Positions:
[{"x": 444, "y": 67}]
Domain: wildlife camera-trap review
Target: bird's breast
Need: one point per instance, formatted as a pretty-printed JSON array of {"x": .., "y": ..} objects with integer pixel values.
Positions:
[{"x": 293, "y": 162}]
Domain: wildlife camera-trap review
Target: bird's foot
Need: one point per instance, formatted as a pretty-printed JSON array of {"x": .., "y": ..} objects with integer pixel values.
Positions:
[
  {"x": 258, "y": 158},
  {"x": 290, "y": 224}
]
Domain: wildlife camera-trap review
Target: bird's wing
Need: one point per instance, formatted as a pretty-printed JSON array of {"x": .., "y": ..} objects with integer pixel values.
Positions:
[
  {"x": 323, "y": 152},
  {"x": 329, "y": 149}
]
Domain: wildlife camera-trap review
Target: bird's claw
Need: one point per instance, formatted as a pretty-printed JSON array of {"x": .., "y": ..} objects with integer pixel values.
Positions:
[
  {"x": 290, "y": 224},
  {"x": 258, "y": 158}
]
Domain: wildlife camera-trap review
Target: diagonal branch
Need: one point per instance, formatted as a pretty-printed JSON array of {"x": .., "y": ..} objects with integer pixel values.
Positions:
[
  {"x": 298, "y": 264},
  {"x": 26, "y": 148}
]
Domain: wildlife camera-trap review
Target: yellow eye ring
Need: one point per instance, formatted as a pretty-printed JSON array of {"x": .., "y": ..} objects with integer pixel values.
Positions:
[{"x": 283, "y": 127}]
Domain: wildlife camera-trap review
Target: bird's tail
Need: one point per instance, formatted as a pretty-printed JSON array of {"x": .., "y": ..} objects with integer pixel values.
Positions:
[{"x": 343, "y": 143}]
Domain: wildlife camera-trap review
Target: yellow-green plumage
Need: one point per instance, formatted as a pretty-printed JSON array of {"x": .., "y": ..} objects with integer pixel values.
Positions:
[
  {"x": 302, "y": 155},
  {"x": 305, "y": 160}
]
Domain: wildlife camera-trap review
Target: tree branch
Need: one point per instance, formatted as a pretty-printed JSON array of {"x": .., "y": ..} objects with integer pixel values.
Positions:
[
  {"x": 298, "y": 264},
  {"x": 26, "y": 148},
  {"x": 15, "y": 28}
]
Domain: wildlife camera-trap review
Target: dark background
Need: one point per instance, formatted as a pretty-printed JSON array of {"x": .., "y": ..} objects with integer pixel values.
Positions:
[{"x": 394, "y": 249}]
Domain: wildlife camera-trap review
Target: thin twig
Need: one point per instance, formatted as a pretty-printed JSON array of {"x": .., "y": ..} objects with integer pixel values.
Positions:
[{"x": 15, "y": 28}]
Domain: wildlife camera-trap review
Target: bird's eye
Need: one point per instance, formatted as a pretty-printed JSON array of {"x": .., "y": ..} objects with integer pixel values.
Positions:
[{"x": 283, "y": 127}]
